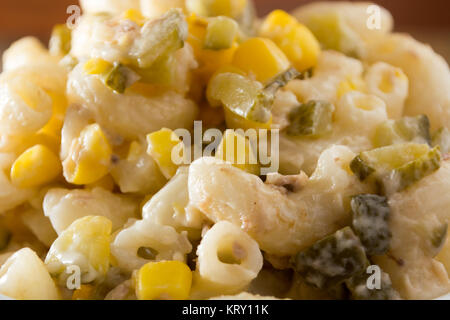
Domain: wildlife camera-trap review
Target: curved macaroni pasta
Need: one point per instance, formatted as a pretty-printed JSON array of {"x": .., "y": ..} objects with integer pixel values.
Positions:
[
  {"x": 228, "y": 259},
  {"x": 164, "y": 241}
]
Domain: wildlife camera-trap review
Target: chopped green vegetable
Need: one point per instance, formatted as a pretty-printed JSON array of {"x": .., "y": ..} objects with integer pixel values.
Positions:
[
  {"x": 407, "y": 129},
  {"x": 160, "y": 38},
  {"x": 312, "y": 119},
  {"x": 60, "y": 40},
  {"x": 333, "y": 33},
  {"x": 220, "y": 33},
  {"x": 442, "y": 138},
  {"x": 332, "y": 260},
  {"x": 119, "y": 78},
  {"x": 241, "y": 95},
  {"x": 147, "y": 253},
  {"x": 360, "y": 291},
  {"x": 161, "y": 72},
  {"x": 397, "y": 167},
  {"x": 5, "y": 237},
  {"x": 245, "y": 97},
  {"x": 370, "y": 222}
]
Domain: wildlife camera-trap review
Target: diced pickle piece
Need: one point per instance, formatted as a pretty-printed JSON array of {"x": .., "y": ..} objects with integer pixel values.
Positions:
[
  {"x": 115, "y": 76},
  {"x": 332, "y": 260},
  {"x": 407, "y": 129},
  {"x": 333, "y": 33},
  {"x": 85, "y": 243},
  {"x": 162, "y": 72},
  {"x": 221, "y": 33},
  {"x": 371, "y": 222},
  {"x": 5, "y": 236},
  {"x": 239, "y": 94},
  {"x": 119, "y": 78},
  {"x": 360, "y": 291},
  {"x": 247, "y": 98},
  {"x": 209, "y": 60},
  {"x": 312, "y": 119},
  {"x": 442, "y": 138},
  {"x": 60, "y": 40},
  {"x": 160, "y": 38},
  {"x": 397, "y": 167}
]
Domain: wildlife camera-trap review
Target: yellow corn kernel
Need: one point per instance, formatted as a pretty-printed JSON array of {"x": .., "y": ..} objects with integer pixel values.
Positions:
[
  {"x": 164, "y": 146},
  {"x": 86, "y": 244},
  {"x": 214, "y": 8},
  {"x": 235, "y": 121},
  {"x": 135, "y": 16},
  {"x": 97, "y": 66},
  {"x": 85, "y": 292},
  {"x": 236, "y": 149},
  {"x": 46, "y": 138},
  {"x": 209, "y": 60},
  {"x": 89, "y": 157},
  {"x": 348, "y": 85},
  {"x": 294, "y": 39},
  {"x": 165, "y": 280},
  {"x": 36, "y": 166},
  {"x": 262, "y": 58}
]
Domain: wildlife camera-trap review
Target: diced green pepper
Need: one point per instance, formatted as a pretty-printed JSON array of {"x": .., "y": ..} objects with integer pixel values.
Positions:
[
  {"x": 60, "y": 40},
  {"x": 220, "y": 33},
  {"x": 331, "y": 260},
  {"x": 370, "y": 222},
  {"x": 312, "y": 119},
  {"x": 397, "y": 167},
  {"x": 360, "y": 291},
  {"x": 442, "y": 138},
  {"x": 407, "y": 129}
]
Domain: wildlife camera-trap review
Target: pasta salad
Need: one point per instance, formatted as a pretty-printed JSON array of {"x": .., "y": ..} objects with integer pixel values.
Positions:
[{"x": 189, "y": 149}]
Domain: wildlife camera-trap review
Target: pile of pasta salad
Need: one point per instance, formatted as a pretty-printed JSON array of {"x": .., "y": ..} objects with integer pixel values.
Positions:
[{"x": 188, "y": 149}]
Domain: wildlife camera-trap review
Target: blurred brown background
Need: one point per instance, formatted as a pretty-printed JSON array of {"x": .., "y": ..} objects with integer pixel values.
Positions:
[{"x": 429, "y": 20}]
